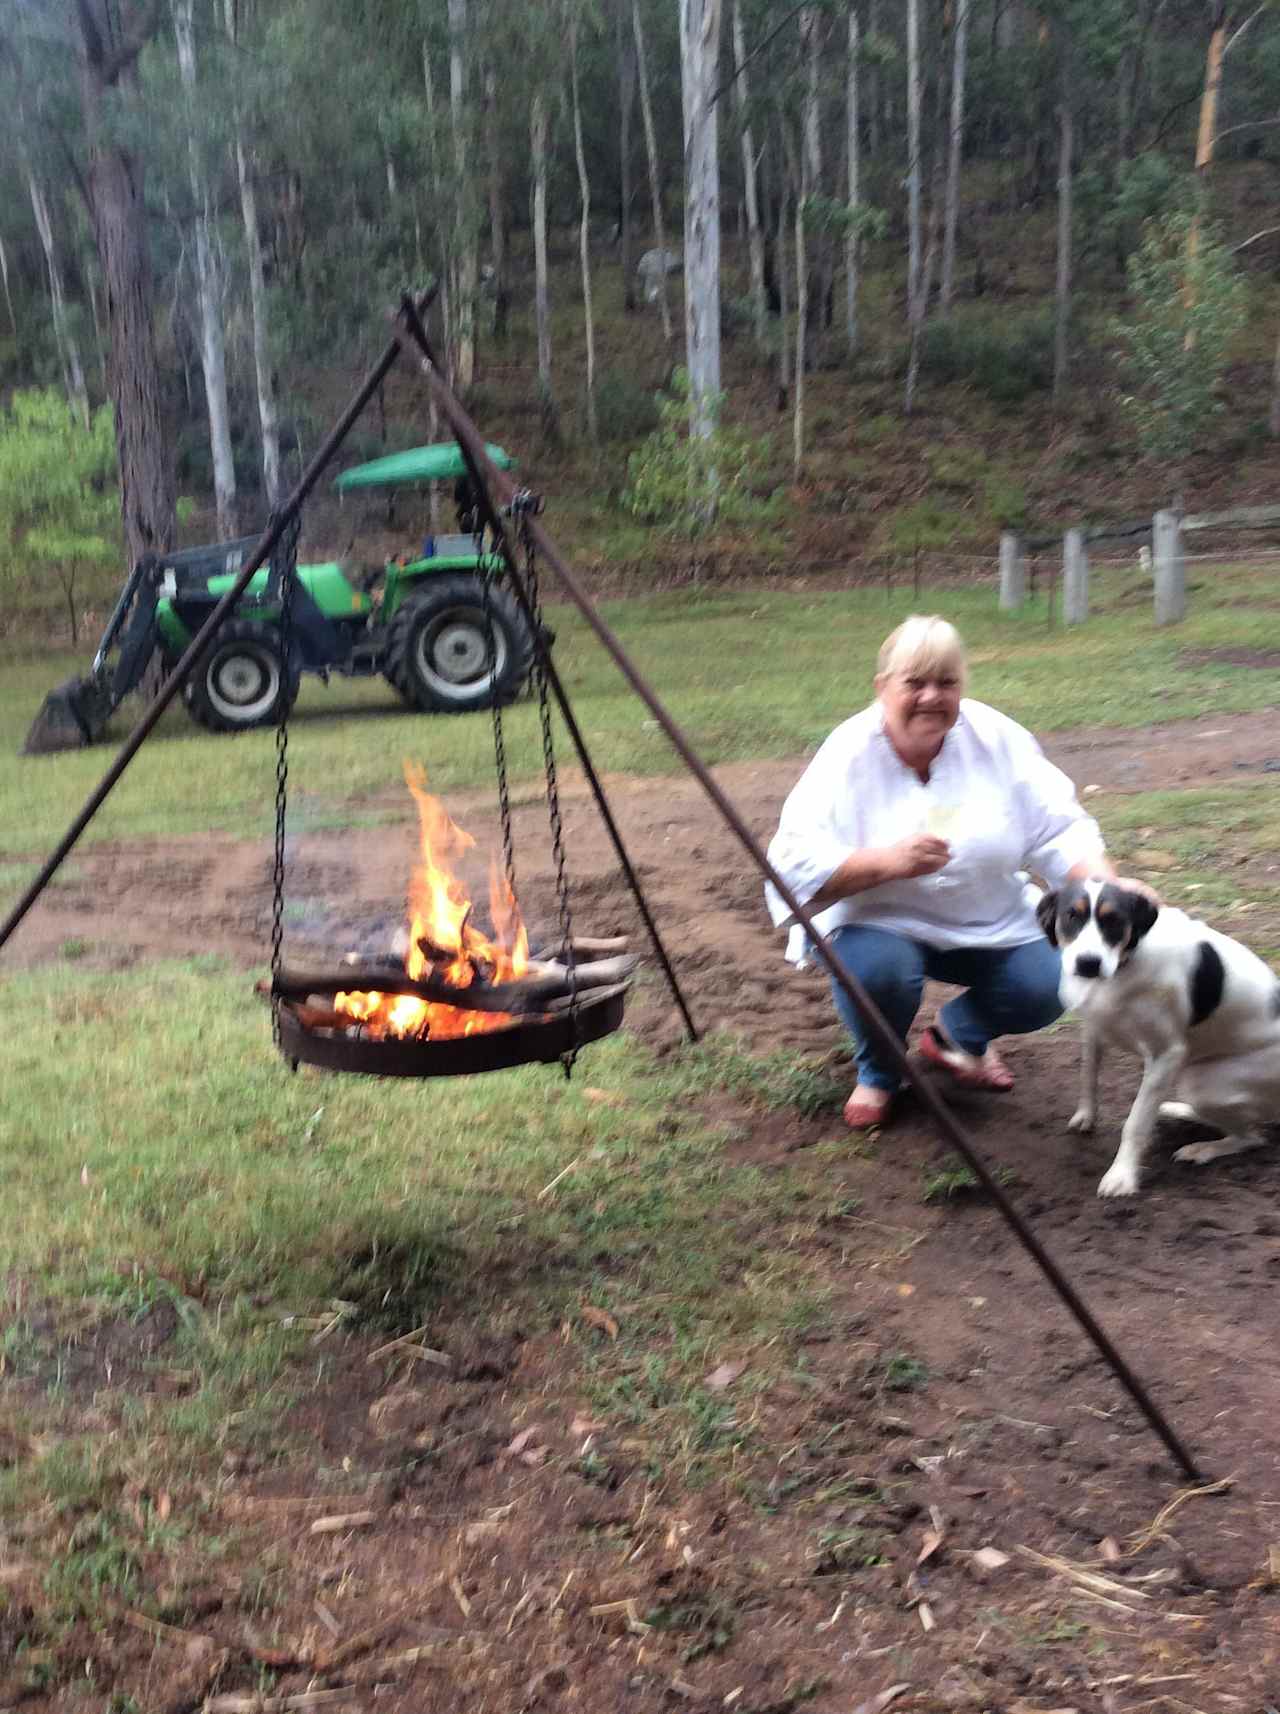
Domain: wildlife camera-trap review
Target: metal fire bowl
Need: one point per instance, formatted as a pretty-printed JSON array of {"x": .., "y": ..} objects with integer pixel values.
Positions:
[{"x": 529, "y": 1041}]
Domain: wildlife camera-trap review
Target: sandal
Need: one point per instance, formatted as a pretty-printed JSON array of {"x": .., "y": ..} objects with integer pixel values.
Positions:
[
  {"x": 970, "y": 1070},
  {"x": 863, "y": 1115}
]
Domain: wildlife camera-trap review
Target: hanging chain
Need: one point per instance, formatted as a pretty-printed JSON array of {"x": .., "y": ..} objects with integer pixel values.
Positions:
[
  {"x": 495, "y": 709},
  {"x": 524, "y": 505},
  {"x": 284, "y": 567}
]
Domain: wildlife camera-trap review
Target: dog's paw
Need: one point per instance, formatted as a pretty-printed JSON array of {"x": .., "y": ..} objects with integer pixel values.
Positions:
[
  {"x": 1081, "y": 1120},
  {"x": 1177, "y": 1110},
  {"x": 1120, "y": 1179},
  {"x": 1197, "y": 1154}
]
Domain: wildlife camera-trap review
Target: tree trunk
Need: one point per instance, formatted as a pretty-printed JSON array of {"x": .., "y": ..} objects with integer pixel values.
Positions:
[
  {"x": 1273, "y": 415},
  {"x": 802, "y": 301},
  {"x": 466, "y": 235},
  {"x": 264, "y": 373},
  {"x": 625, "y": 50},
  {"x": 65, "y": 340},
  {"x": 655, "y": 177},
  {"x": 8, "y": 296},
  {"x": 784, "y": 335},
  {"x": 213, "y": 349},
  {"x": 541, "y": 299},
  {"x": 1062, "y": 289},
  {"x": 699, "y": 64},
  {"x": 937, "y": 178},
  {"x": 1206, "y": 138},
  {"x": 115, "y": 183},
  {"x": 853, "y": 145},
  {"x": 915, "y": 309},
  {"x": 584, "y": 244},
  {"x": 497, "y": 207},
  {"x": 818, "y": 250},
  {"x": 959, "y": 67},
  {"x": 876, "y": 82},
  {"x": 755, "y": 232}
]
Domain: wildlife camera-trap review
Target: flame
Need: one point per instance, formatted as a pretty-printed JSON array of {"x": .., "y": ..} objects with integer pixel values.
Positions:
[{"x": 443, "y": 941}]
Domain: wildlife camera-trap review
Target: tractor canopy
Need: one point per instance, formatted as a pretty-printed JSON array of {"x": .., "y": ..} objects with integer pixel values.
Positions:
[{"x": 442, "y": 462}]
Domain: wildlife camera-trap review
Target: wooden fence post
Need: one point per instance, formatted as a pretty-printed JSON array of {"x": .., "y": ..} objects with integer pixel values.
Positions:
[
  {"x": 1013, "y": 571},
  {"x": 1170, "y": 568},
  {"x": 1075, "y": 578}
]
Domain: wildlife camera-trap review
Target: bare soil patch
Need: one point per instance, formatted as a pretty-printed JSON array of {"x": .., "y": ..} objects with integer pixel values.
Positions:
[{"x": 943, "y": 1404}]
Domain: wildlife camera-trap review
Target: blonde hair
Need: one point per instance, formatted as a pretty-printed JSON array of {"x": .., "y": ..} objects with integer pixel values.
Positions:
[{"x": 925, "y": 643}]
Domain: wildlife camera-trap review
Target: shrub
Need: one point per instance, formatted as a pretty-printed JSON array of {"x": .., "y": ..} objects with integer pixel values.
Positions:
[
  {"x": 1188, "y": 304},
  {"x": 1007, "y": 364},
  {"x": 690, "y": 483},
  {"x": 624, "y": 409}
]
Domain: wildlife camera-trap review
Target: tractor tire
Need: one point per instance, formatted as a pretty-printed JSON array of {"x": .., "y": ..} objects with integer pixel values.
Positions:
[
  {"x": 437, "y": 650},
  {"x": 241, "y": 682}
]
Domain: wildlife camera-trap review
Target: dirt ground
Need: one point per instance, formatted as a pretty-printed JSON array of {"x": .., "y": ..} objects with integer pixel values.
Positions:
[{"x": 490, "y": 1581}]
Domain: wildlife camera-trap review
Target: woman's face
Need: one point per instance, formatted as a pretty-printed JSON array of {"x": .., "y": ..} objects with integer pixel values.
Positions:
[{"x": 921, "y": 705}]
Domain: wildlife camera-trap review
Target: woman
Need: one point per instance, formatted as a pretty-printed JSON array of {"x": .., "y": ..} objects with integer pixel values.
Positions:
[{"x": 910, "y": 836}]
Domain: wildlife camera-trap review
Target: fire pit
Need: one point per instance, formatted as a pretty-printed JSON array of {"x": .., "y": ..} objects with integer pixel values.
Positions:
[
  {"x": 306, "y": 1035},
  {"x": 448, "y": 1000}
]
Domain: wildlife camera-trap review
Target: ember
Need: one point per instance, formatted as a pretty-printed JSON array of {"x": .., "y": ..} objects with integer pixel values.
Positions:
[{"x": 445, "y": 947}]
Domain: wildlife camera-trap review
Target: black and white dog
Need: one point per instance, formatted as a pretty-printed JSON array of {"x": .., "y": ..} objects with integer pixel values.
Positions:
[{"x": 1202, "y": 1010}]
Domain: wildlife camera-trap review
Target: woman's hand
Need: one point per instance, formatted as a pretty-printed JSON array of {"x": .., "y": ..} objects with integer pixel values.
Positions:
[{"x": 920, "y": 854}]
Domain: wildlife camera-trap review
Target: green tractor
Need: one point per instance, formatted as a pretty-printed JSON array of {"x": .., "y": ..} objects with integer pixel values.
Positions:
[{"x": 441, "y": 626}]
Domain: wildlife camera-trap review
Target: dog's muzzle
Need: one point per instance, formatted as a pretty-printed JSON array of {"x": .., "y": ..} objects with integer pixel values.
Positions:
[{"x": 1088, "y": 965}]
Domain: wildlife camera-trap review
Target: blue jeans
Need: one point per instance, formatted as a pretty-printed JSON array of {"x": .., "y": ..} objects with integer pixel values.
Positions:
[{"x": 1010, "y": 990}]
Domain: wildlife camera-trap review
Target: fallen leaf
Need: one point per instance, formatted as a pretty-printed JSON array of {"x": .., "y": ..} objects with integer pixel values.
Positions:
[
  {"x": 585, "y": 1425},
  {"x": 84, "y": 1174},
  {"x": 906, "y": 1291},
  {"x": 343, "y": 1521},
  {"x": 924, "y": 1612},
  {"x": 724, "y": 1375},
  {"x": 932, "y": 1542},
  {"x": 988, "y": 1559},
  {"x": 533, "y": 1456},
  {"x": 164, "y": 1505},
  {"x": 876, "y": 1703},
  {"x": 600, "y": 1318},
  {"x": 523, "y": 1439},
  {"x": 1109, "y": 1548}
]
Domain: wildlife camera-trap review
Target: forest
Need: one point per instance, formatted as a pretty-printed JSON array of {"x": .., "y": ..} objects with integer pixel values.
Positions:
[{"x": 675, "y": 245}]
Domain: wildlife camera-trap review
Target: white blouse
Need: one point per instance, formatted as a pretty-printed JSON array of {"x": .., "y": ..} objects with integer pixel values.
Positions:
[{"x": 992, "y": 794}]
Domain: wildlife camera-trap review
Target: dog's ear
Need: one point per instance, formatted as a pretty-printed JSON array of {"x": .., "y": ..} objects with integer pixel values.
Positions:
[
  {"x": 1047, "y": 917},
  {"x": 1143, "y": 912}
]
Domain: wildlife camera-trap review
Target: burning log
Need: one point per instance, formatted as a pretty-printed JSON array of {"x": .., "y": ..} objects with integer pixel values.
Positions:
[{"x": 544, "y": 982}]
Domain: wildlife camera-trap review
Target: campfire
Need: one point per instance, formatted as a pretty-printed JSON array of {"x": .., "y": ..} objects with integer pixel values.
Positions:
[
  {"x": 445, "y": 979},
  {"x": 444, "y": 945}
]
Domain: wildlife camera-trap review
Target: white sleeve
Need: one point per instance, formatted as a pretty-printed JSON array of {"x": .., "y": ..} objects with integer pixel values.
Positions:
[
  {"x": 1056, "y": 831},
  {"x": 808, "y": 847}
]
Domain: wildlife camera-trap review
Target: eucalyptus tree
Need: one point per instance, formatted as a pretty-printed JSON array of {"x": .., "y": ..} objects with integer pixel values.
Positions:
[
  {"x": 651, "y": 155},
  {"x": 750, "y": 180},
  {"x": 584, "y": 224},
  {"x": 209, "y": 282},
  {"x": 699, "y": 75},
  {"x": 94, "y": 51}
]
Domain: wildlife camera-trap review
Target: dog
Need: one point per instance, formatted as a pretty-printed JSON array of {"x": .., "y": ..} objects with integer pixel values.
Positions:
[{"x": 1201, "y": 1009}]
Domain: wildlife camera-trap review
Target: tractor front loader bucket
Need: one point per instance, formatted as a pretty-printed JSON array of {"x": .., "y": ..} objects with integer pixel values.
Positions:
[{"x": 74, "y": 713}]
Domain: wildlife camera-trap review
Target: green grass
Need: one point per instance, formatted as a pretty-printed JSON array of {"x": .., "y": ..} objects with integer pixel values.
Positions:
[
  {"x": 752, "y": 673},
  {"x": 159, "y": 1158},
  {"x": 953, "y": 1178}
]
